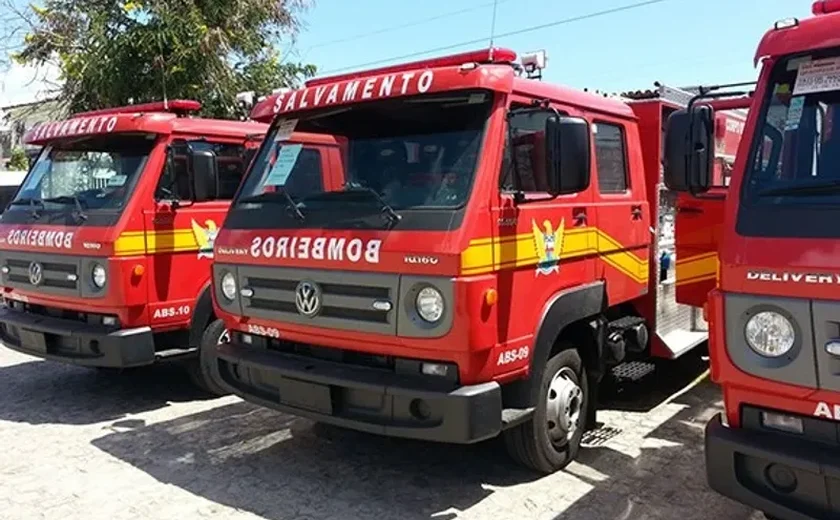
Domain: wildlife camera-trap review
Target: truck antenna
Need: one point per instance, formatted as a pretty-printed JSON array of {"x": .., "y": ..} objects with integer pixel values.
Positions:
[
  {"x": 163, "y": 73},
  {"x": 493, "y": 27}
]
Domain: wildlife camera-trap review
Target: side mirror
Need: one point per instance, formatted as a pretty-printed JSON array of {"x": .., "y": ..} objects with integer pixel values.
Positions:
[
  {"x": 204, "y": 174},
  {"x": 689, "y": 149},
  {"x": 567, "y": 154}
]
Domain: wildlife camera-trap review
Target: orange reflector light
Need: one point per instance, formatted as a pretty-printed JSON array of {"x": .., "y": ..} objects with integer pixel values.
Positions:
[
  {"x": 138, "y": 270},
  {"x": 491, "y": 297}
]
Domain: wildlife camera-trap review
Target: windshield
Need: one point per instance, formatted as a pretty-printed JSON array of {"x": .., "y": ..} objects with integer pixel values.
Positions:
[
  {"x": 94, "y": 173},
  {"x": 411, "y": 156},
  {"x": 795, "y": 158}
]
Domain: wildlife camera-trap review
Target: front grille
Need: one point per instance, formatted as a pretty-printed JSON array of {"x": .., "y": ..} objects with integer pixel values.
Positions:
[
  {"x": 59, "y": 274},
  {"x": 347, "y": 299}
]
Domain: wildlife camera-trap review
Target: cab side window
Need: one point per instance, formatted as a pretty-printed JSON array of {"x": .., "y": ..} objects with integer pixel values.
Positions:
[
  {"x": 610, "y": 156},
  {"x": 232, "y": 161},
  {"x": 523, "y": 163}
]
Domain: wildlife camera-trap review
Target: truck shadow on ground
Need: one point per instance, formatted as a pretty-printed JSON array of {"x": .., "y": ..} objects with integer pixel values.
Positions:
[
  {"x": 666, "y": 481},
  {"x": 279, "y": 467},
  {"x": 39, "y": 392}
]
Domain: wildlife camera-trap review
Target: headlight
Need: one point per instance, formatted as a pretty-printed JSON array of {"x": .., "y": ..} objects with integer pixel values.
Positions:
[
  {"x": 429, "y": 304},
  {"x": 99, "y": 276},
  {"x": 229, "y": 286},
  {"x": 770, "y": 334}
]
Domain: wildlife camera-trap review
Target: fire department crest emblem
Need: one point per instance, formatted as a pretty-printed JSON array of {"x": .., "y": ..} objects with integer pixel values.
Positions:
[
  {"x": 548, "y": 245},
  {"x": 205, "y": 237}
]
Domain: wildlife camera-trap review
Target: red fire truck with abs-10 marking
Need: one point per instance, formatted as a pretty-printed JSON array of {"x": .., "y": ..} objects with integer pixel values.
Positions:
[
  {"x": 105, "y": 248},
  {"x": 493, "y": 253},
  {"x": 775, "y": 315}
]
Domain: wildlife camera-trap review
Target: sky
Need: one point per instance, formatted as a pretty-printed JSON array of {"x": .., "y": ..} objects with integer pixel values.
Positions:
[{"x": 675, "y": 42}]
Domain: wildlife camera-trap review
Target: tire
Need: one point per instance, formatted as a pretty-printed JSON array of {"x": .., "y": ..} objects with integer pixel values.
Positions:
[
  {"x": 530, "y": 443},
  {"x": 201, "y": 369}
]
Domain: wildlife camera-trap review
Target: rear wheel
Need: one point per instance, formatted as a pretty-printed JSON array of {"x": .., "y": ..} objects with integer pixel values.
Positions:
[
  {"x": 551, "y": 439},
  {"x": 201, "y": 369}
]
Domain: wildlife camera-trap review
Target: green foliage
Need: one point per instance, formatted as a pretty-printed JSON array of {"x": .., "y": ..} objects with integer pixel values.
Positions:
[
  {"x": 114, "y": 53},
  {"x": 17, "y": 160}
]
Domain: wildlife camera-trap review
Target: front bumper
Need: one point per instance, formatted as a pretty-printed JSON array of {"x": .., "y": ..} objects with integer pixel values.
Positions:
[
  {"x": 739, "y": 462},
  {"x": 361, "y": 398},
  {"x": 75, "y": 342}
]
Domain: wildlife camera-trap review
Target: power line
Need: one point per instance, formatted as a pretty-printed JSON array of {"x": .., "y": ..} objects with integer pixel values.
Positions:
[
  {"x": 503, "y": 35},
  {"x": 415, "y": 23}
]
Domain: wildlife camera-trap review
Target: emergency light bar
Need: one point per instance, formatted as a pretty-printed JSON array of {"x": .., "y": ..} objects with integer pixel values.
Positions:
[
  {"x": 493, "y": 55},
  {"x": 825, "y": 7},
  {"x": 176, "y": 106}
]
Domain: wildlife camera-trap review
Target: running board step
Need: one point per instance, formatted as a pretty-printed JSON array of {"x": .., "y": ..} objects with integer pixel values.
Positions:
[
  {"x": 632, "y": 371},
  {"x": 625, "y": 323},
  {"x": 513, "y": 416},
  {"x": 172, "y": 353}
]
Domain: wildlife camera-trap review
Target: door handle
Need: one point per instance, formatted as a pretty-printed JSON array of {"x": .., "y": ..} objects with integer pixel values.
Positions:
[
  {"x": 579, "y": 214},
  {"x": 636, "y": 212}
]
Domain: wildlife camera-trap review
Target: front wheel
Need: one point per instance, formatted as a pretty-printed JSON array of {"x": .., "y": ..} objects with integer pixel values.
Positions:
[
  {"x": 551, "y": 439},
  {"x": 201, "y": 369}
]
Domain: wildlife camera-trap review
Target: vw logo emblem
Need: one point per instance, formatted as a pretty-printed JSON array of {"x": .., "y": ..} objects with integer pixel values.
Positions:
[
  {"x": 36, "y": 273},
  {"x": 308, "y": 299}
]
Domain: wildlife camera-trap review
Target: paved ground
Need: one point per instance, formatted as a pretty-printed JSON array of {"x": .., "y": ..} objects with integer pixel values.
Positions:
[{"x": 78, "y": 445}]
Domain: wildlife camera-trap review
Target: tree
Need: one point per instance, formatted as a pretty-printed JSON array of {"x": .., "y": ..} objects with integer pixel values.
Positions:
[
  {"x": 18, "y": 160},
  {"x": 116, "y": 53}
]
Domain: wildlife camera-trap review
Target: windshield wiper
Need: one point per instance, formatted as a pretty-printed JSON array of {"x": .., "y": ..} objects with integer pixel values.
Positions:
[
  {"x": 70, "y": 199},
  {"x": 33, "y": 204},
  {"x": 277, "y": 196},
  {"x": 803, "y": 189},
  {"x": 389, "y": 212}
]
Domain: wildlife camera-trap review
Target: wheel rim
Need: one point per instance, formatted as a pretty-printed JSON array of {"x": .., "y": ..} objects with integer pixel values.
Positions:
[
  {"x": 224, "y": 337},
  {"x": 564, "y": 403}
]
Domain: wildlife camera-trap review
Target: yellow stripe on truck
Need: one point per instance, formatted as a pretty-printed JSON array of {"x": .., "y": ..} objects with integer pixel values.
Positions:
[
  {"x": 486, "y": 255},
  {"x": 697, "y": 268},
  {"x": 153, "y": 242}
]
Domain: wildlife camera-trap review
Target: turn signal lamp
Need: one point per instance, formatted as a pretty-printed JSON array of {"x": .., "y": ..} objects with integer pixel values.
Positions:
[
  {"x": 825, "y": 7},
  {"x": 491, "y": 297},
  {"x": 138, "y": 270}
]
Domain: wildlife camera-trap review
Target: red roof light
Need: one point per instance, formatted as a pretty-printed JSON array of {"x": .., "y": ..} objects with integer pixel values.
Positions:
[
  {"x": 825, "y": 7},
  {"x": 486, "y": 56},
  {"x": 177, "y": 106}
]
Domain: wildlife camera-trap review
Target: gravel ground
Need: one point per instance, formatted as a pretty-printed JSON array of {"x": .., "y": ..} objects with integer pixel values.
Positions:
[{"x": 77, "y": 444}]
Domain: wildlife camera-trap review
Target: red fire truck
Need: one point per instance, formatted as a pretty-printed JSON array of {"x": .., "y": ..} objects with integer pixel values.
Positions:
[
  {"x": 775, "y": 315},
  {"x": 105, "y": 248},
  {"x": 492, "y": 254}
]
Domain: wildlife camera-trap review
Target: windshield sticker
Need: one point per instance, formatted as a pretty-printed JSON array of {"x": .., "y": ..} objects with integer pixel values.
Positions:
[
  {"x": 286, "y": 159},
  {"x": 818, "y": 76},
  {"x": 794, "y": 115},
  {"x": 285, "y": 129},
  {"x": 795, "y": 63},
  {"x": 117, "y": 180}
]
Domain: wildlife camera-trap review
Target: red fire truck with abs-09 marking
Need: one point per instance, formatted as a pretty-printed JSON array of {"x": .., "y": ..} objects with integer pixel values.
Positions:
[
  {"x": 493, "y": 253},
  {"x": 775, "y": 316},
  {"x": 105, "y": 249}
]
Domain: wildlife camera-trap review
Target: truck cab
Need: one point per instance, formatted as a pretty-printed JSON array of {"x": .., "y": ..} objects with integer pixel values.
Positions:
[
  {"x": 105, "y": 248},
  {"x": 486, "y": 263},
  {"x": 775, "y": 311}
]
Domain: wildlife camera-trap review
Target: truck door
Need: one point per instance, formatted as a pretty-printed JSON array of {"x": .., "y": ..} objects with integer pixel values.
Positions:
[
  {"x": 623, "y": 214},
  {"x": 180, "y": 231},
  {"x": 540, "y": 245},
  {"x": 699, "y": 219}
]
